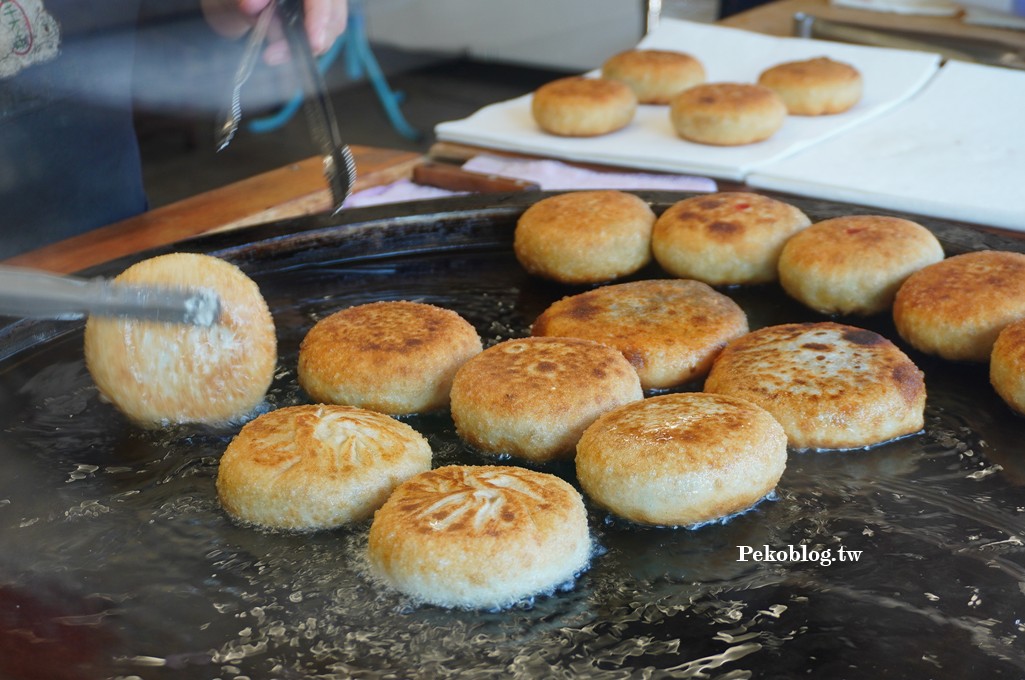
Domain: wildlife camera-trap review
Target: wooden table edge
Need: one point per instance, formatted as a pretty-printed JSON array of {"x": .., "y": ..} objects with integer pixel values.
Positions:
[{"x": 290, "y": 191}]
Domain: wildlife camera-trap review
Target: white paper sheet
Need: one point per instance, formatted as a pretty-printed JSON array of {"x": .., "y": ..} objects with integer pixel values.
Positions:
[
  {"x": 956, "y": 151},
  {"x": 729, "y": 55}
]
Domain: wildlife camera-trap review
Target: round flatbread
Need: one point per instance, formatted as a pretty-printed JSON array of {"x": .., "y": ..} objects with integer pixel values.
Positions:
[
  {"x": 681, "y": 459},
  {"x": 317, "y": 466},
  {"x": 479, "y": 537},
  {"x": 956, "y": 308},
  {"x": 533, "y": 397},
  {"x": 727, "y": 114},
  {"x": 161, "y": 374},
  {"x": 831, "y": 386},
  {"x": 670, "y": 330}
]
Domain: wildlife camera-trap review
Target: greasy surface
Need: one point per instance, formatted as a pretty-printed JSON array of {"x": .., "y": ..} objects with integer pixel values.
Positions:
[
  {"x": 317, "y": 466},
  {"x": 479, "y": 536},
  {"x": 1007, "y": 365},
  {"x": 727, "y": 114},
  {"x": 396, "y": 356},
  {"x": 814, "y": 87},
  {"x": 585, "y": 236},
  {"x": 533, "y": 397},
  {"x": 680, "y": 459},
  {"x": 119, "y": 561},
  {"x": 159, "y": 373},
  {"x": 957, "y": 307},
  {"x": 669, "y": 329},
  {"x": 855, "y": 264},
  {"x": 727, "y": 238},
  {"x": 831, "y": 386},
  {"x": 583, "y": 107},
  {"x": 655, "y": 76}
]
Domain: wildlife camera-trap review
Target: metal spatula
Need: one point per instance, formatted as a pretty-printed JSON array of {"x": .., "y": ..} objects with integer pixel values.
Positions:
[{"x": 41, "y": 295}]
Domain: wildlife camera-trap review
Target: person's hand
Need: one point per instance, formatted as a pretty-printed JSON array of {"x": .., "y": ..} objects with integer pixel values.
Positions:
[{"x": 325, "y": 21}]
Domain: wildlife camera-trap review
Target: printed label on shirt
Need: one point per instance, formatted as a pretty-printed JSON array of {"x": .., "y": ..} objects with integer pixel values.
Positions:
[{"x": 28, "y": 35}]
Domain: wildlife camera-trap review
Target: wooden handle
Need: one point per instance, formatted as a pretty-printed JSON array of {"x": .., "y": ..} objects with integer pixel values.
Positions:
[{"x": 454, "y": 178}]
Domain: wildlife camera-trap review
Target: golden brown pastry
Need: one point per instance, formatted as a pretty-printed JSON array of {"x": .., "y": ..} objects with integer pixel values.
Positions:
[
  {"x": 1007, "y": 365},
  {"x": 957, "y": 307},
  {"x": 726, "y": 238},
  {"x": 855, "y": 264},
  {"x": 161, "y": 373},
  {"x": 585, "y": 236},
  {"x": 655, "y": 76},
  {"x": 583, "y": 107},
  {"x": 479, "y": 537},
  {"x": 317, "y": 466},
  {"x": 669, "y": 329},
  {"x": 533, "y": 397},
  {"x": 814, "y": 87},
  {"x": 831, "y": 386},
  {"x": 681, "y": 459},
  {"x": 395, "y": 356},
  {"x": 727, "y": 114}
]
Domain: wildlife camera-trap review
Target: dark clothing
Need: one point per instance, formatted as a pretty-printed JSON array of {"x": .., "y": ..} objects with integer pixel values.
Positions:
[{"x": 69, "y": 160}]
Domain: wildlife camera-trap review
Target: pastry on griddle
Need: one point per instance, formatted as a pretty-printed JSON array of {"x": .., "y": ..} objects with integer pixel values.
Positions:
[
  {"x": 681, "y": 459},
  {"x": 585, "y": 236},
  {"x": 533, "y": 397},
  {"x": 956, "y": 308},
  {"x": 317, "y": 466},
  {"x": 161, "y": 373},
  {"x": 583, "y": 107},
  {"x": 670, "y": 330},
  {"x": 831, "y": 386},
  {"x": 479, "y": 537},
  {"x": 655, "y": 76},
  {"x": 395, "y": 356},
  {"x": 855, "y": 264},
  {"x": 1007, "y": 365},
  {"x": 727, "y": 114},
  {"x": 814, "y": 87},
  {"x": 726, "y": 238}
]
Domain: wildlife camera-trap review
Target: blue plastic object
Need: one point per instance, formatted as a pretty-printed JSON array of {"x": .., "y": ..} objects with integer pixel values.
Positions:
[{"x": 359, "y": 61}]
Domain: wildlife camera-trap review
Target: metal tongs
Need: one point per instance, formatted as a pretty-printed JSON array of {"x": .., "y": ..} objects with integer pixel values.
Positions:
[
  {"x": 339, "y": 164},
  {"x": 40, "y": 295},
  {"x": 948, "y": 46}
]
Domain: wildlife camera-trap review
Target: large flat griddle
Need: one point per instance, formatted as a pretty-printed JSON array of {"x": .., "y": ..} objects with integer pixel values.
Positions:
[{"x": 116, "y": 560}]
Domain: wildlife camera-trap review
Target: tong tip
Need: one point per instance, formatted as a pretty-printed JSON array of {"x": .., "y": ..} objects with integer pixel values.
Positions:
[{"x": 203, "y": 308}]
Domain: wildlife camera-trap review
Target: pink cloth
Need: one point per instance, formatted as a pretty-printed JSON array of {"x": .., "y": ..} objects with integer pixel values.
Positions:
[
  {"x": 559, "y": 176},
  {"x": 550, "y": 175},
  {"x": 396, "y": 192}
]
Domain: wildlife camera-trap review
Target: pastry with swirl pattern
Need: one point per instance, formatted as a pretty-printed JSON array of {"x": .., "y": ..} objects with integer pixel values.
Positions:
[
  {"x": 479, "y": 537},
  {"x": 312, "y": 467}
]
